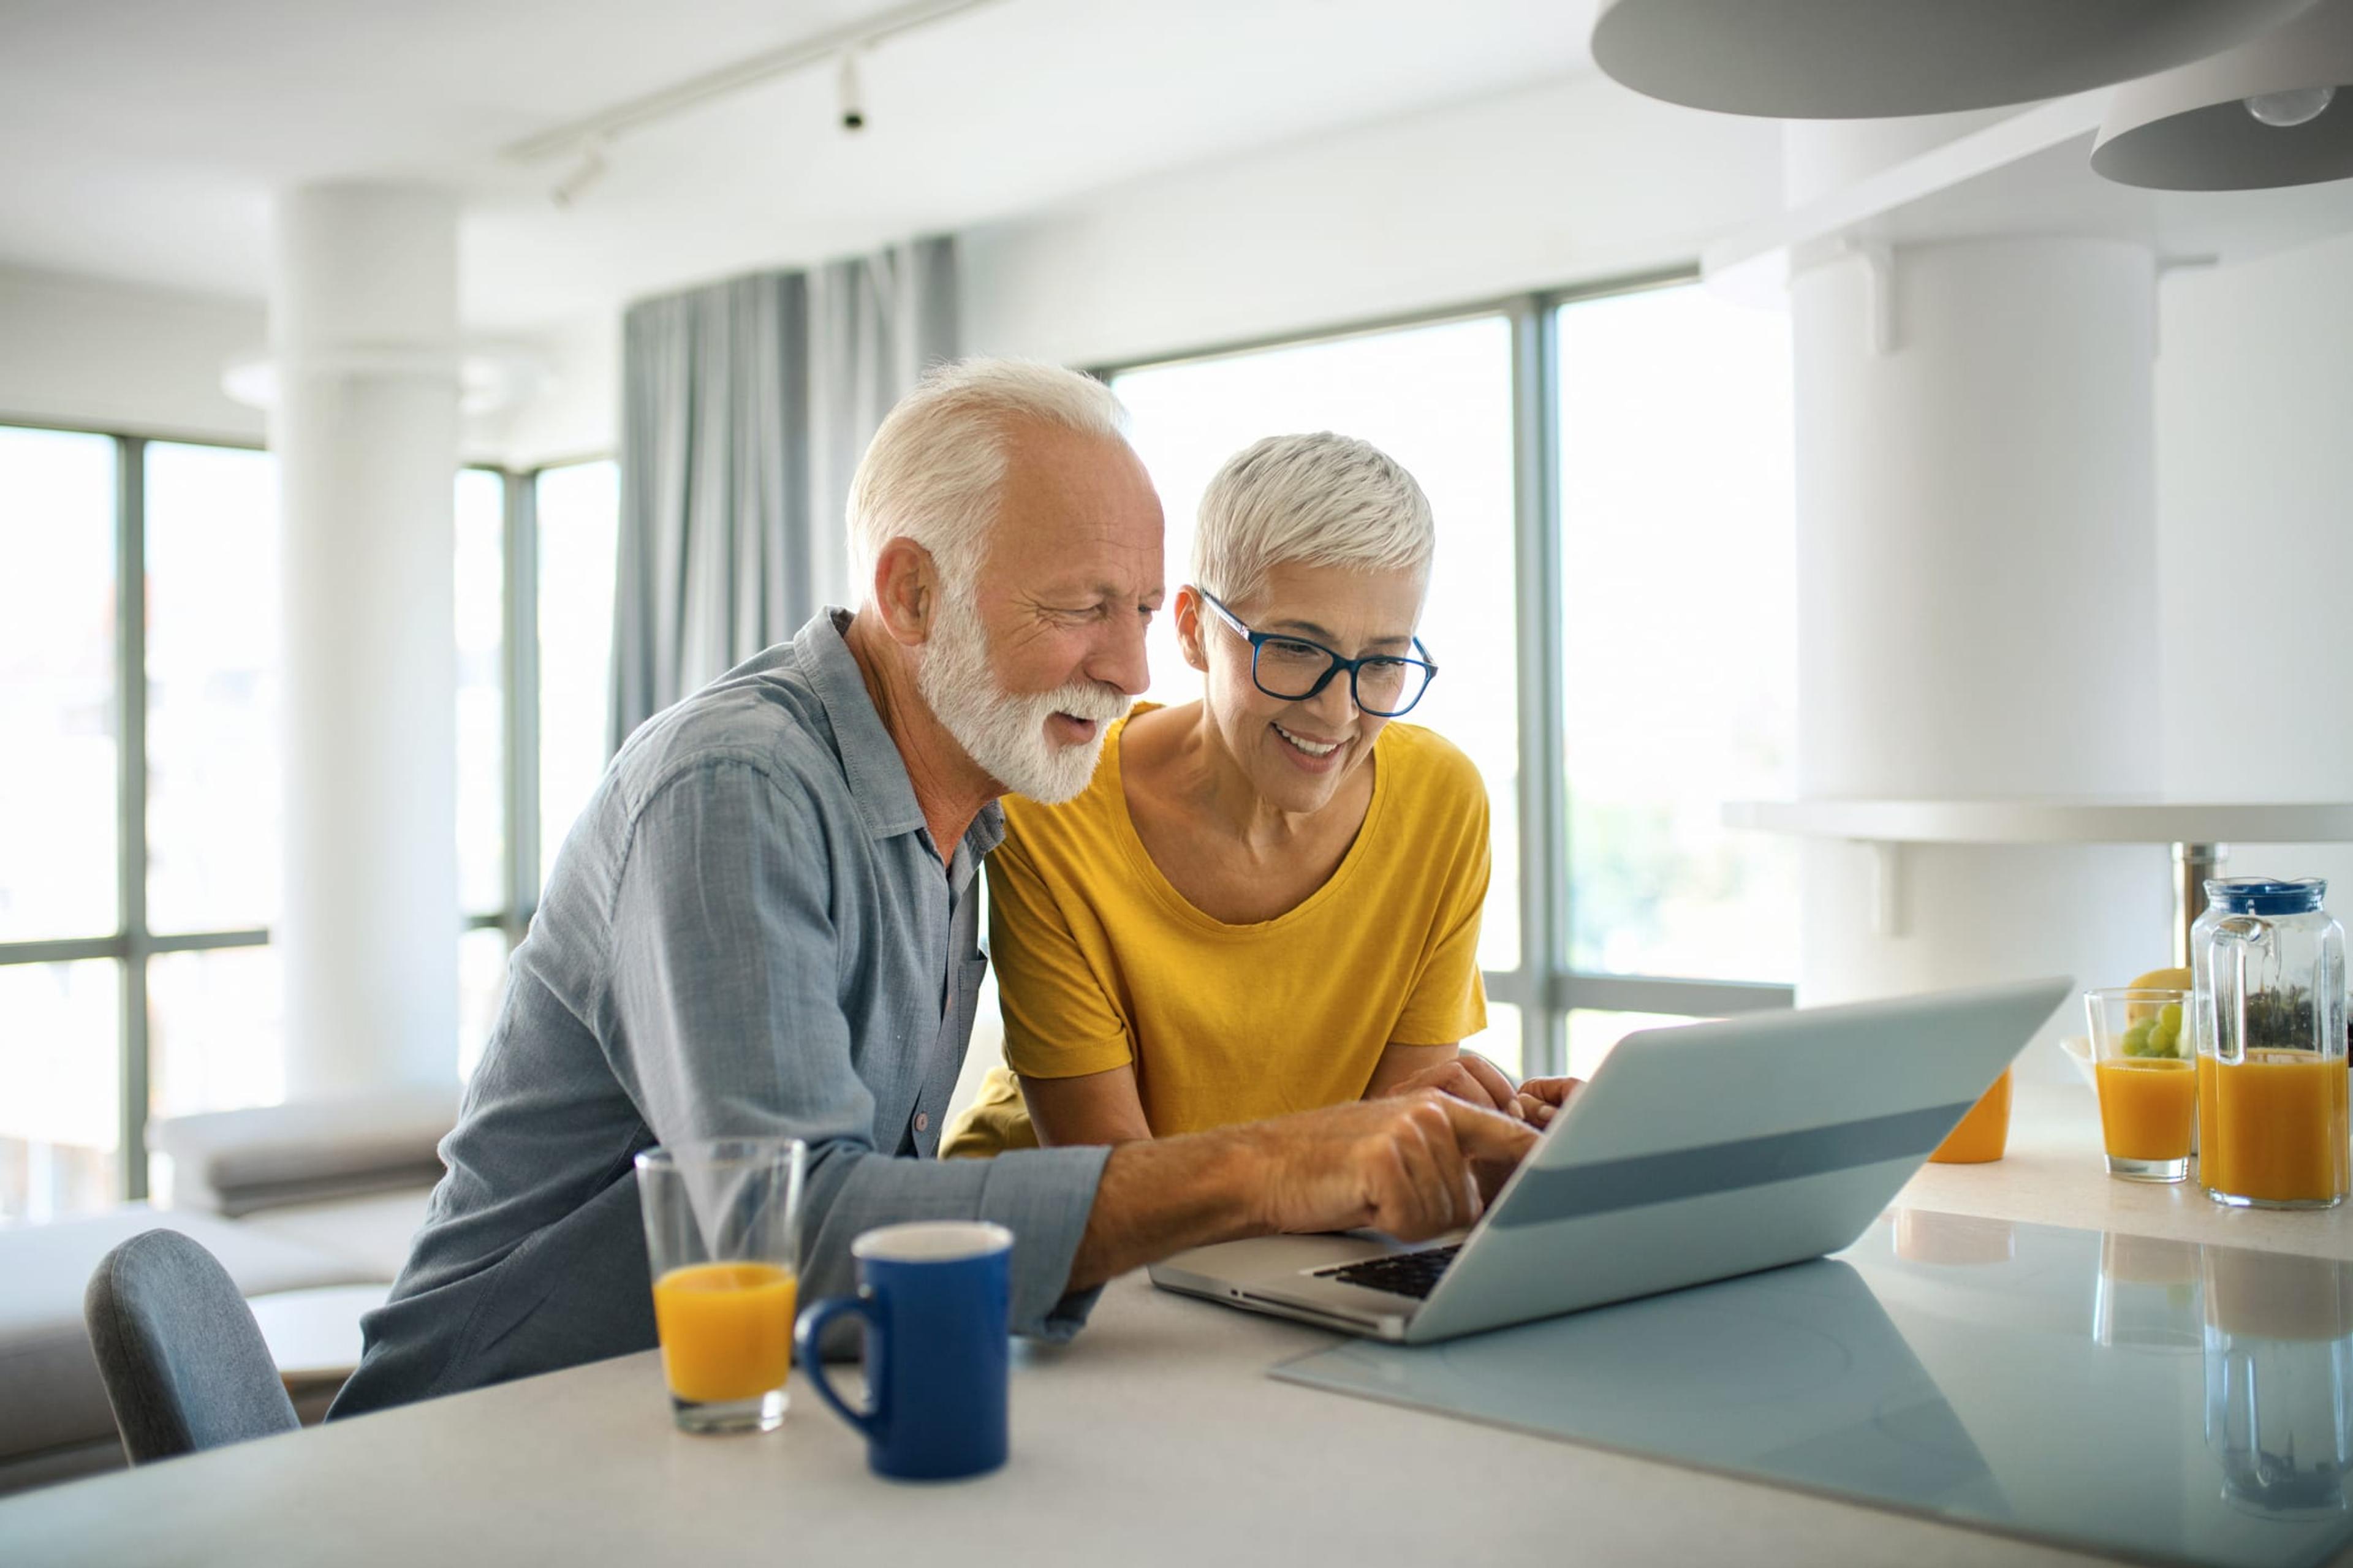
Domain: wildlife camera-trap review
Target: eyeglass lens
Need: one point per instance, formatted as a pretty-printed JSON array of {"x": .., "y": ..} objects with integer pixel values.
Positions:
[{"x": 1291, "y": 670}]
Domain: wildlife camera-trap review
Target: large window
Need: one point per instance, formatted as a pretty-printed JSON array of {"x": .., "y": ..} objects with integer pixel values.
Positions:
[
  {"x": 1611, "y": 609},
  {"x": 59, "y": 882},
  {"x": 485, "y": 718},
  {"x": 1682, "y": 695},
  {"x": 139, "y": 873},
  {"x": 213, "y": 818},
  {"x": 214, "y": 1032},
  {"x": 481, "y": 620},
  {"x": 579, "y": 548}
]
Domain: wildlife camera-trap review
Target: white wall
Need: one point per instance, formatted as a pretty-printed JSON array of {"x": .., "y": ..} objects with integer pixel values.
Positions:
[
  {"x": 113, "y": 356},
  {"x": 575, "y": 411},
  {"x": 2254, "y": 444},
  {"x": 1575, "y": 181}
]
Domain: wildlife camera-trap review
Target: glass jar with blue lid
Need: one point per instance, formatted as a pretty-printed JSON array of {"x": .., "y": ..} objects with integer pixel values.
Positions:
[{"x": 2267, "y": 963}]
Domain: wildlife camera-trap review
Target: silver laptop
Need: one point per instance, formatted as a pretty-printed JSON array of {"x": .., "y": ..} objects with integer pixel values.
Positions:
[{"x": 1694, "y": 1153}]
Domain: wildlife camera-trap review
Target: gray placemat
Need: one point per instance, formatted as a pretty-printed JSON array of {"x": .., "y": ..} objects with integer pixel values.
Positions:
[{"x": 2156, "y": 1399}]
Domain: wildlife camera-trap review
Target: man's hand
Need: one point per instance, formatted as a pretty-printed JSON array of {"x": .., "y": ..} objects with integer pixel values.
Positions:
[
  {"x": 1415, "y": 1166},
  {"x": 1469, "y": 1078},
  {"x": 1407, "y": 1164}
]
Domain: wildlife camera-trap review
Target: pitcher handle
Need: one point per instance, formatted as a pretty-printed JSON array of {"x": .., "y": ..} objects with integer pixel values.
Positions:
[{"x": 2235, "y": 933}]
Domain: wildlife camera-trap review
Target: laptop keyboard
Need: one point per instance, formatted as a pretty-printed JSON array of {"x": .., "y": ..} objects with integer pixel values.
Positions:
[{"x": 1414, "y": 1274}]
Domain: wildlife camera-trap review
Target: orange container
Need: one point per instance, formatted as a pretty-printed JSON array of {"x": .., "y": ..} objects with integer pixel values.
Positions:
[
  {"x": 2280, "y": 1127},
  {"x": 1983, "y": 1133},
  {"x": 2147, "y": 1105},
  {"x": 726, "y": 1330}
]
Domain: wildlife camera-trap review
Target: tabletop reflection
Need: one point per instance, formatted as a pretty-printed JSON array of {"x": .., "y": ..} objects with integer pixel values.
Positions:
[
  {"x": 2148, "y": 1295},
  {"x": 2279, "y": 1380}
]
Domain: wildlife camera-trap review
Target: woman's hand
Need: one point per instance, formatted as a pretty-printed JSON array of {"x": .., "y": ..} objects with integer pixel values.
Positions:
[
  {"x": 1469, "y": 1078},
  {"x": 1540, "y": 1099}
]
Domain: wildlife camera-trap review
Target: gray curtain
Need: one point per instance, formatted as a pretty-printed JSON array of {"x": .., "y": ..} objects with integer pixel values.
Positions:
[
  {"x": 745, "y": 407},
  {"x": 876, "y": 324}
]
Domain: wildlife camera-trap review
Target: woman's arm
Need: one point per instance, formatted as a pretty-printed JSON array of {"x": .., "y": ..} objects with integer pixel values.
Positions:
[
  {"x": 1094, "y": 1108},
  {"x": 1465, "y": 1074},
  {"x": 1399, "y": 1063}
]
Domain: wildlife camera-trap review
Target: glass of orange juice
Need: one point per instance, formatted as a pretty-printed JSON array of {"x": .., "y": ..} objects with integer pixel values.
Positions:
[
  {"x": 2145, "y": 1063},
  {"x": 723, "y": 1238}
]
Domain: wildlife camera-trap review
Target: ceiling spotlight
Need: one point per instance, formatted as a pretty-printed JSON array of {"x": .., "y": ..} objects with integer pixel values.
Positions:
[
  {"x": 586, "y": 171},
  {"x": 846, "y": 89},
  {"x": 2286, "y": 111}
]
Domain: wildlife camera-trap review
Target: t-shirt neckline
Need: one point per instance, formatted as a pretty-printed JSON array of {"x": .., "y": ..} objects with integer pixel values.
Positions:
[{"x": 1166, "y": 890}]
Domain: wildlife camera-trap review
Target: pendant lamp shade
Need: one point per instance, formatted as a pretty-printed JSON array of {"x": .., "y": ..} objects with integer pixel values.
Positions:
[
  {"x": 1849, "y": 59},
  {"x": 2277, "y": 111}
]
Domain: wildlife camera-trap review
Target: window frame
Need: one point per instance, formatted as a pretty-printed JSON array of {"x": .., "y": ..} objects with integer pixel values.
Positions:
[
  {"x": 133, "y": 943},
  {"x": 1544, "y": 987}
]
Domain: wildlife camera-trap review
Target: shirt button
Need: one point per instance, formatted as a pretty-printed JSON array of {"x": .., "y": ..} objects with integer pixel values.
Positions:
[{"x": 922, "y": 1122}]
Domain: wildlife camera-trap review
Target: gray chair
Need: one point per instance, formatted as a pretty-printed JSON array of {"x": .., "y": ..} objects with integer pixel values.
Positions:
[{"x": 184, "y": 1364}]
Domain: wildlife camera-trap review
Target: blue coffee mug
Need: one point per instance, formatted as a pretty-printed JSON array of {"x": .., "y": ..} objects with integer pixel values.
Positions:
[{"x": 937, "y": 1298}]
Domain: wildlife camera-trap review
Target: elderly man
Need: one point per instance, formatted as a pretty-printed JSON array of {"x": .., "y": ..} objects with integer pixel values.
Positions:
[{"x": 765, "y": 925}]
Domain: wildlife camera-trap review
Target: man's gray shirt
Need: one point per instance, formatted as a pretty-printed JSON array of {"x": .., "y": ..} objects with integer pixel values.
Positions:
[{"x": 749, "y": 931}]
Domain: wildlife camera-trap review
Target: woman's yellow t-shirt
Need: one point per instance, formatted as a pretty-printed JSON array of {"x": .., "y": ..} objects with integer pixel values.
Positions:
[{"x": 1101, "y": 962}]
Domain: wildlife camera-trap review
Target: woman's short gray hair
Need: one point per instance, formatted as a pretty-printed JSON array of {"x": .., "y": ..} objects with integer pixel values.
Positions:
[
  {"x": 1318, "y": 500},
  {"x": 933, "y": 471}
]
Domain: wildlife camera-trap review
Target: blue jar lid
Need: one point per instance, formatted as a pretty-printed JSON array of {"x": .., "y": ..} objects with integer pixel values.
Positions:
[{"x": 2266, "y": 895}]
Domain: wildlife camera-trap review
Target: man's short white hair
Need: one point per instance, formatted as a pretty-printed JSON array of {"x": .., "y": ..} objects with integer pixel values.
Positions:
[
  {"x": 933, "y": 471},
  {"x": 1317, "y": 500}
]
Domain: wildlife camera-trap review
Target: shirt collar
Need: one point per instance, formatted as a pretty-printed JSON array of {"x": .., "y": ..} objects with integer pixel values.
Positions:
[{"x": 877, "y": 773}]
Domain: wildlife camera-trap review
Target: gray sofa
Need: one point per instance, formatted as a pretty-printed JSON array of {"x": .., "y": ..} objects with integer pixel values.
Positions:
[{"x": 310, "y": 1207}]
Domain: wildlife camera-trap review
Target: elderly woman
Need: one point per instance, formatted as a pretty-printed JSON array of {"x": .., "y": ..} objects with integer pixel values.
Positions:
[{"x": 1268, "y": 899}]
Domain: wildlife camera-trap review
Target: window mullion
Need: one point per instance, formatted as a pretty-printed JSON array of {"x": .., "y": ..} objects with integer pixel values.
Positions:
[
  {"x": 521, "y": 702},
  {"x": 1668, "y": 994},
  {"x": 1542, "y": 803},
  {"x": 130, "y": 794}
]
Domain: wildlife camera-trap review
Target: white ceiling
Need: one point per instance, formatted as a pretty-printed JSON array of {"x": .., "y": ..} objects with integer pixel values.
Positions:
[{"x": 143, "y": 137}]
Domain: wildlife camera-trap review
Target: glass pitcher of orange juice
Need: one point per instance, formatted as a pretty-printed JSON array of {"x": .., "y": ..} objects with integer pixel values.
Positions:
[{"x": 2268, "y": 964}]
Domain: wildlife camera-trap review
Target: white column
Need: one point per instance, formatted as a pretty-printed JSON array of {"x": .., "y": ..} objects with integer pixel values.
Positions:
[
  {"x": 363, "y": 324},
  {"x": 1978, "y": 604}
]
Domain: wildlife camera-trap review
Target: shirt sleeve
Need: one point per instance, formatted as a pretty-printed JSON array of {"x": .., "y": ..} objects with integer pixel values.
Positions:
[
  {"x": 1449, "y": 1000},
  {"x": 728, "y": 1024},
  {"x": 1058, "y": 1021}
]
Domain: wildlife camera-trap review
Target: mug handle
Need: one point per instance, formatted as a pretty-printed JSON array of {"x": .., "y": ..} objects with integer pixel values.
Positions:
[{"x": 810, "y": 1330}]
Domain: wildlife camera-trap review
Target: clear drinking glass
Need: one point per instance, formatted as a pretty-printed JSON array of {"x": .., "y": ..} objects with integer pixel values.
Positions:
[
  {"x": 2148, "y": 1078},
  {"x": 723, "y": 1235}
]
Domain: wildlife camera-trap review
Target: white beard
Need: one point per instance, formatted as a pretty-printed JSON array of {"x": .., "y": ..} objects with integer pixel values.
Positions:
[{"x": 1004, "y": 731}]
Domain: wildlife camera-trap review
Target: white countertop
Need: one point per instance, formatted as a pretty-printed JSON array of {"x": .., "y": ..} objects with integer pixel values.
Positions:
[
  {"x": 1155, "y": 1437},
  {"x": 2054, "y": 1174}
]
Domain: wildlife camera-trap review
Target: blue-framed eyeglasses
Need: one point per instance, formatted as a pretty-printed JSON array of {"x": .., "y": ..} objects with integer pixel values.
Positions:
[{"x": 1295, "y": 669}]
